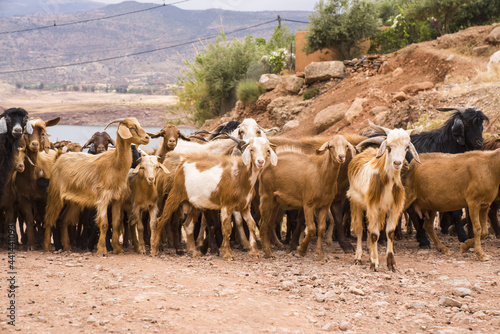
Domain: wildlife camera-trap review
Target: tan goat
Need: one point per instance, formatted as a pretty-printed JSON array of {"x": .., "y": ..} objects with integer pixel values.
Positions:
[
  {"x": 95, "y": 181},
  {"x": 447, "y": 182},
  {"x": 143, "y": 196},
  {"x": 170, "y": 135},
  {"x": 223, "y": 183},
  {"x": 302, "y": 181}
]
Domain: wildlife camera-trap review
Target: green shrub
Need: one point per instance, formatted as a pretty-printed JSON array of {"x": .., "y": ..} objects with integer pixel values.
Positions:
[
  {"x": 310, "y": 93},
  {"x": 248, "y": 91}
]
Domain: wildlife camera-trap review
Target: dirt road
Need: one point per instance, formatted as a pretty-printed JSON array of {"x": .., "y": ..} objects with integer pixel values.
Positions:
[{"x": 429, "y": 293}]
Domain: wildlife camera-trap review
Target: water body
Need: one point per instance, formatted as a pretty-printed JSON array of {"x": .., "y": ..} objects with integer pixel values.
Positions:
[{"x": 82, "y": 133}]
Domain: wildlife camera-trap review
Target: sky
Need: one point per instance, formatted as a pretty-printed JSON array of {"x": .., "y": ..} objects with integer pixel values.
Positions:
[{"x": 239, "y": 5}]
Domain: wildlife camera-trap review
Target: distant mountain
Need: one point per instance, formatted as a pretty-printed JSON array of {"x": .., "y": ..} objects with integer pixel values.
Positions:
[
  {"x": 164, "y": 27},
  {"x": 10, "y": 8}
]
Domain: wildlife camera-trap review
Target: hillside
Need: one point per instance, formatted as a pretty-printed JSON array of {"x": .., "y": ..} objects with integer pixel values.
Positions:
[
  {"x": 159, "y": 28},
  {"x": 454, "y": 71}
]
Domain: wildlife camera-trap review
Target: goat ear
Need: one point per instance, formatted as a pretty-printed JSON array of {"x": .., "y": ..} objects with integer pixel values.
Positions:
[
  {"x": 155, "y": 135},
  {"x": 29, "y": 128},
  {"x": 415, "y": 131},
  {"x": 414, "y": 152},
  {"x": 323, "y": 147},
  {"x": 181, "y": 135},
  {"x": 3, "y": 126},
  {"x": 136, "y": 169},
  {"x": 124, "y": 132},
  {"x": 53, "y": 121},
  {"x": 458, "y": 131},
  {"x": 381, "y": 149},
  {"x": 352, "y": 149},
  {"x": 274, "y": 158},
  {"x": 246, "y": 156},
  {"x": 162, "y": 166}
]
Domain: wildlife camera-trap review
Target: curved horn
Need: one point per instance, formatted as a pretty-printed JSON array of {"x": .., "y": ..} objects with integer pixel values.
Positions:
[
  {"x": 365, "y": 143},
  {"x": 89, "y": 141},
  {"x": 195, "y": 136},
  {"x": 115, "y": 121},
  {"x": 459, "y": 109},
  {"x": 30, "y": 161},
  {"x": 378, "y": 128},
  {"x": 110, "y": 140}
]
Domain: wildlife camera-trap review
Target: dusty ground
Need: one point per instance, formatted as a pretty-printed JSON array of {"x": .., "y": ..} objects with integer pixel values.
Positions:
[{"x": 83, "y": 293}]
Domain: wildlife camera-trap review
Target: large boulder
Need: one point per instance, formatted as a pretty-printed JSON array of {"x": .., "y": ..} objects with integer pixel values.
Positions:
[
  {"x": 293, "y": 84},
  {"x": 329, "y": 116},
  {"x": 494, "y": 59},
  {"x": 325, "y": 70},
  {"x": 285, "y": 108},
  {"x": 355, "y": 110},
  {"x": 494, "y": 36},
  {"x": 270, "y": 81},
  {"x": 294, "y": 123}
]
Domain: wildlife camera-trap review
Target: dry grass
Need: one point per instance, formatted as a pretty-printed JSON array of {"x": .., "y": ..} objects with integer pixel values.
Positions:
[{"x": 493, "y": 75}]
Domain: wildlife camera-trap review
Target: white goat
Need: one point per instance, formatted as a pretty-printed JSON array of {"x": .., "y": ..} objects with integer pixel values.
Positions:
[{"x": 375, "y": 187}]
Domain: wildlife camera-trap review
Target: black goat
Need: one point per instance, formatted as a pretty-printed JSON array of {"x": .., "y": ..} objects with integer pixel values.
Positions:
[
  {"x": 12, "y": 124},
  {"x": 462, "y": 132}
]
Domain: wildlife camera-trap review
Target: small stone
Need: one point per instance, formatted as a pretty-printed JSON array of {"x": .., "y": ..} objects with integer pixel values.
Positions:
[
  {"x": 450, "y": 57},
  {"x": 344, "y": 326},
  {"x": 99, "y": 267},
  {"x": 330, "y": 294},
  {"x": 449, "y": 302},
  {"x": 311, "y": 319},
  {"x": 462, "y": 292},
  {"x": 287, "y": 285},
  {"x": 319, "y": 297},
  {"x": 398, "y": 71},
  {"x": 91, "y": 319},
  {"x": 400, "y": 96},
  {"x": 328, "y": 327},
  {"x": 356, "y": 291}
]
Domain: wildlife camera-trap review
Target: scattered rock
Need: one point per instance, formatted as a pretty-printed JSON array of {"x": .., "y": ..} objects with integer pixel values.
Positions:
[
  {"x": 270, "y": 81},
  {"x": 284, "y": 108},
  {"x": 458, "y": 282},
  {"x": 328, "y": 327},
  {"x": 494, "y": 59},
  {"x": 330, "y": 294},
  {"x": 344, "y": 326},
  {"x": 462, "y": 292},
  {"x": 480, "y": 50},
  {"x": 293, "y": 84},
  {"x": 417, "y": 87},
  {"x": 325, "y": 70},
  {"x": 287, "y": 285},
  {"x": 400, "y": 96},
  {"x": 378, "y": 110},
  {"x": 494, "y": 36},
  {"x": 91, "y": 319},
  {"x": 291, "y": 125},
  {"x": 329, "y": 116},
  {"x": 450, "y": 57},
  {"x": 300, "y": 74},
  {"x": 356, "y": 291},
  {"x": 449, "y": 302},
  {"x": 320, "y": 298},
  {"x": 397, "y": 71},
  {"x": 355, "y": 109}
]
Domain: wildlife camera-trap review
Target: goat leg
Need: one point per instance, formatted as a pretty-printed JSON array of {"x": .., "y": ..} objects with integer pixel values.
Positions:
[
  {"x": 478, "y": 218},
  {"x": 320, "y": 254},
  {"x": 241, "y": 231},
  {"x": 189, "y": 229},
  {"x": 226, "y": 233},
  {"x": 310, "y": 230},
  {"x": 429, "y": 227},
  {"x": 254, "y": 252},
  {"x": 493, "y": 218},
  {"x": 338, "y": 227}
]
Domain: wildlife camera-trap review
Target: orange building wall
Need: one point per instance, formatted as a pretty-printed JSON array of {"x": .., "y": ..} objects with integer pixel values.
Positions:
[{"x": 302, "y": 60}]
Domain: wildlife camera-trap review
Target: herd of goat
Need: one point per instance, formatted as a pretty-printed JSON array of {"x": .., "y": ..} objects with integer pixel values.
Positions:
[{"x": 61, "y": 197}]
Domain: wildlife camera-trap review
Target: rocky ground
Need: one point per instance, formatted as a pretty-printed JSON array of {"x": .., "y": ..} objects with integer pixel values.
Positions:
[{"x": 429, "y": 293}]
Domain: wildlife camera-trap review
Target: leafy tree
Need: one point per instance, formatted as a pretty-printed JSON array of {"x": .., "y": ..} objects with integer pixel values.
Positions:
[
  {"x": 341, "y": 23},
  {"x": 443, "y": 11},
  {"x": 210, "y": 80},
  {"x": 281, "y": 38}
]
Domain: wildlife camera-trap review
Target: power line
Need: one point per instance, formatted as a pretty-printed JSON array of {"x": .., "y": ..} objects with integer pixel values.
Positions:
[
  {"x": 137, "y": 53},
  {"x": 296, "y": 21},
  {"x": 92, "y": 20}
]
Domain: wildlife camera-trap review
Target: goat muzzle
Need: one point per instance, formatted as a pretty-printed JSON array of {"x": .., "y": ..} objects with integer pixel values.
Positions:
[{"x": 397, "y": 165}]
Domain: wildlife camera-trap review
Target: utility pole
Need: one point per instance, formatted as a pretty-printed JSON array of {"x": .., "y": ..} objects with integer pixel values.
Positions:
[{"x": 279, "y": 21}]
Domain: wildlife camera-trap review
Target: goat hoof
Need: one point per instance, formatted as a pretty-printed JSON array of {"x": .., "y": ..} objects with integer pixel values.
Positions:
[
  {"x": 269, "y": 256},
  {"x": 329, "y": 242},
  {"x": 424, "y": 246},
  {"x": 302, "y": 252},
  {"x": 483, "y": 257},
  {"x": 373, "y": 267},
  {"x": 196, "y": 254},
  {"x": 179, "y": 252},
  {"x": 357, "y": 262},
  {"x": 254, "y": 254},
  {"x": 347, "y": 248}
]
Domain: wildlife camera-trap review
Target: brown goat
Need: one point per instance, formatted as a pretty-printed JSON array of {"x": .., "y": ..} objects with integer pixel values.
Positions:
[
  {"x": 95, "y": 181},
  {"x": 309, "y": 145},
  {"x": 170, "y": 135},
  {"x": 100, "y": 140},
  {"x": 26, "y": 186},
  {"x": 143, "y": 196},
  {"x": 447, "y": 182},
  {"x": 219, "y": 183},
  {"x": 302, "y": 181}
]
